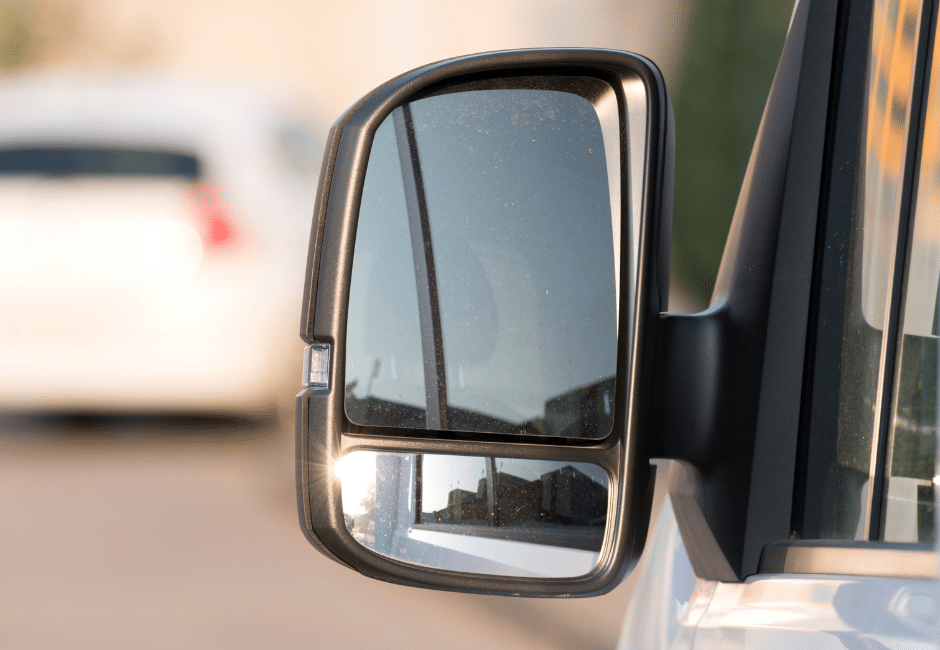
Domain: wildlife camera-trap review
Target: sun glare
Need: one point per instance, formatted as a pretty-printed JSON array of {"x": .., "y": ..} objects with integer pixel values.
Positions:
[{"x": 356, "y": 471}]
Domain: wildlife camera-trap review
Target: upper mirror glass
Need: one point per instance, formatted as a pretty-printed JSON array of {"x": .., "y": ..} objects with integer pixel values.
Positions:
[{"x": 485, "y": 282}]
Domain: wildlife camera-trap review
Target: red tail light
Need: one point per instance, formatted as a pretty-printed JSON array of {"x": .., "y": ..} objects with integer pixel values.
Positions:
[{"x": 215, "y": 223}]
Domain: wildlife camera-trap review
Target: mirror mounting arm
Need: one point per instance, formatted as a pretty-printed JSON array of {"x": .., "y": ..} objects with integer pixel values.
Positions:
[{"x": 737, "y": 368}]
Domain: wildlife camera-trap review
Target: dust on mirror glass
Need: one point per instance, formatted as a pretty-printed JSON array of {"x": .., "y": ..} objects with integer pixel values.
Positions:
[
  {"x": 485, "y": 283},
  {"x": 497, "y": 516}
]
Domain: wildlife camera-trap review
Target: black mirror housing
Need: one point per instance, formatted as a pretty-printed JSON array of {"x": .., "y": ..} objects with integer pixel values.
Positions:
[{"x": 644, "y": 133}]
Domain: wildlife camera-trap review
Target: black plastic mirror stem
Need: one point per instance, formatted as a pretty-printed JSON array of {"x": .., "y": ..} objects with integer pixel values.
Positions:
[{"x": 737, "y": 368}]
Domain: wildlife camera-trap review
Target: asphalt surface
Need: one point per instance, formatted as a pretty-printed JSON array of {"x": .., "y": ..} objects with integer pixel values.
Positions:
[{"x": 183, "y": 533}]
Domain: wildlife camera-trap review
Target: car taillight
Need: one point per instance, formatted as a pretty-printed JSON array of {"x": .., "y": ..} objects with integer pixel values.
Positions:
[{"x": 215, "y": 222}]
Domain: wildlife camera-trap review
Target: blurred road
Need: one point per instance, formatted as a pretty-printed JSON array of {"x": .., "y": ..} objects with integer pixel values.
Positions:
[{"x": 158, "y": 533}]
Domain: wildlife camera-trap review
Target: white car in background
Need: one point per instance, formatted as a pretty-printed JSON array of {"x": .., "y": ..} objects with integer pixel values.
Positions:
[{"x": 153, "y": 234}]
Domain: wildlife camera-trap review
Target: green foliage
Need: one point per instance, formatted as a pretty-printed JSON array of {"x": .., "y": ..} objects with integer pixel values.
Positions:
[
  {"x": 16, "y": 34},
  {"x": 728, "y": 66}
]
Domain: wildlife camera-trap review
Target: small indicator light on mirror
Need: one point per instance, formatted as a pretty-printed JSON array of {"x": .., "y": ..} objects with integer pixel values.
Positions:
[{"x": 317, "y": 366}]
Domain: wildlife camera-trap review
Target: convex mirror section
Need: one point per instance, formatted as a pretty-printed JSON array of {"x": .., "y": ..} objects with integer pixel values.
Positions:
[
  {"x": 487, "y": 515},
  {"x": 486, "y": 274}
]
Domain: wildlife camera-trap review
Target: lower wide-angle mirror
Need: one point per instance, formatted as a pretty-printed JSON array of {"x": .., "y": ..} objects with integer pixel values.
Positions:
[{"x": 498, "y": 516}]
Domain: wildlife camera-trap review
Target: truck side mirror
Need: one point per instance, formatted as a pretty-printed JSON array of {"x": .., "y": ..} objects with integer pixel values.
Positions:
[{"x": 488, "y": 260}]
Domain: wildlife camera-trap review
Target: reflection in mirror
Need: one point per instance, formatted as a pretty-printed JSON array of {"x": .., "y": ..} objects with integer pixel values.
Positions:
[
  {"x": 499, "y": 516},
  {"x": 485, "y": 281}
]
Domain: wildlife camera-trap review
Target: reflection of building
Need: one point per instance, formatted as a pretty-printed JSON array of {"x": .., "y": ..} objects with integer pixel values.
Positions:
[
  {"x": 565, "y": 496},
  {"x": 573, "y": 497},
  {"x": 508, "y": 481},
  {"x": 585, "y": 412},
  {"x": 463, "y": 505},
  {"x": 458, "y": 496},
  {"x": 517, "y": 500}
]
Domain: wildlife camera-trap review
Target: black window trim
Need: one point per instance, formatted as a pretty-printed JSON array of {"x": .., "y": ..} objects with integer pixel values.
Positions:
[
  {"x": 834, "y": 227},
  {"x": 851, "y": 557}
]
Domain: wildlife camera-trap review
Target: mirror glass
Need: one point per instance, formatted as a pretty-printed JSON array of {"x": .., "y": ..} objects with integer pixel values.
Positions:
[
  {"x": 498, "y": 516},
  {"x": 486, "y": 274}
]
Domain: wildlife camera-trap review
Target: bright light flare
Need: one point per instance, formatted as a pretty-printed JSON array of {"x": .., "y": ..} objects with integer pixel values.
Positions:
[{"x": 356, "y": 471}]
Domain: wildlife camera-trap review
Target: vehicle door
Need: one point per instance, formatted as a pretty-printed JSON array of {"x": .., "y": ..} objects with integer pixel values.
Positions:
[{"x": 860, "y": 568}]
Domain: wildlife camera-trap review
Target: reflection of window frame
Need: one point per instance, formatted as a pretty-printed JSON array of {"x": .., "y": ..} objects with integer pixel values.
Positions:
[
  {"x": 579, "y": 537},
  {"x": 429, "y": 310}
]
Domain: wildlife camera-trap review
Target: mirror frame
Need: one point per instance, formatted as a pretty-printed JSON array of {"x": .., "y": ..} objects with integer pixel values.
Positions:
[{"x": 324, "y": 433}]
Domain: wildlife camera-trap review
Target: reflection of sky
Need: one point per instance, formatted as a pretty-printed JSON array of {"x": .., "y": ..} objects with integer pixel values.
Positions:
[
  {"x": 383, "y": 339},
  {"x": 517, "y": 194},
  {"x": 890, "y": 80}
]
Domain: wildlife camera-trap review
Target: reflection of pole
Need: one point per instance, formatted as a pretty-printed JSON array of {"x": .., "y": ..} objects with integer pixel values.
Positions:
[
  {"x": 419, "y": 487},
  {"x": 491, "y": 498},
  {"x": 429, "y": 312},
  {"x": 388, "y": 468},
  {"x": 376, "y": 365}
]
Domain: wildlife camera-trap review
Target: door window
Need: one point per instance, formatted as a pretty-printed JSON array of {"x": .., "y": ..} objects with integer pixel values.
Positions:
[
  {"x": 908, "y": 495},
  {"x": 869, "y": 468}
]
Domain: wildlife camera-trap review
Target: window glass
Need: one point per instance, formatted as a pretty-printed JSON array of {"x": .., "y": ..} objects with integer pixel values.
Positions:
[
  {"x": 908, "y": 499},
  {"x": 96, "y": 161},
  {"x": 848, "y": 477}
]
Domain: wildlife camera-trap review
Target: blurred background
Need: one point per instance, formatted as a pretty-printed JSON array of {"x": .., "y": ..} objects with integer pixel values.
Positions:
[{"x": 158, "y": 163}]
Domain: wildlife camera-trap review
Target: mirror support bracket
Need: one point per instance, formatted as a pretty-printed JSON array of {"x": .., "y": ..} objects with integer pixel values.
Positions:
[{"x": 737, "y": 368}]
